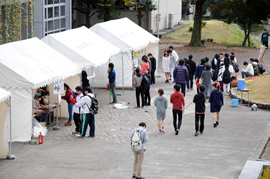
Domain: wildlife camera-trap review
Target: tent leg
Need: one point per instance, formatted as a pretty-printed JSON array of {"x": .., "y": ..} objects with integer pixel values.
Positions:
[
  {"x": 56, "y": 127},
  {"x": 123, "y": 79},
  {"x": 10, "y": 156}
]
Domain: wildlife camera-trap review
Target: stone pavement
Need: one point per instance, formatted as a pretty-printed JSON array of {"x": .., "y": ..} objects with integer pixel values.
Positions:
[{"x": 219, "y": 153}]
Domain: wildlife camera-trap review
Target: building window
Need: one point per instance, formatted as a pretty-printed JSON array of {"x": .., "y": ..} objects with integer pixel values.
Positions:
[{"x": 55, "y": 16}]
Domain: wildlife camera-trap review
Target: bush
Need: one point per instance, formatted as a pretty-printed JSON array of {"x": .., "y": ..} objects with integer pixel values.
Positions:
[
  {"x": 190, "y": 28},
  {"x": 265, "y": 174},
  {"x": 204, "y": 23}
]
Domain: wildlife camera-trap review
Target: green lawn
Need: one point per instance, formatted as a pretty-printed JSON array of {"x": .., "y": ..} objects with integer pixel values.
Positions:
[{"x": 220, "y": 32}]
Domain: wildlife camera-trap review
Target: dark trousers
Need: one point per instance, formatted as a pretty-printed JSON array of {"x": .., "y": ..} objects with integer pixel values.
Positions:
[
  {"x": 190, "y": 83},
  {"x": 183, "y": 88},
  {"x": 177, "y": 112},
  {"x": 78, "y": 122},
  {"x": 199, "y": 118},
  {"x": 147, "y": 98},
  {"x": 265, "y": 44},
  {"x": 88, "y": 119},
  {"x": 139, "y": 92},
  {"x": 153, "y": 80}
]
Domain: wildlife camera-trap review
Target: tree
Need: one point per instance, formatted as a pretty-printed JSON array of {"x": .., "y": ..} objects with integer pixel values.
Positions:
[
  {"x": 85, "y": 7},
  {"x": 107, "y": 10},
  {"x": 197, "y": 27}
]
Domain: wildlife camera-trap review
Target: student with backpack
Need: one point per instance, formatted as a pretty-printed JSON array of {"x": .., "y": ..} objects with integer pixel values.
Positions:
[
  {"x": 255, "y": 67},
  {"x": 161, "y": 105},
  {"x": 226, "y": 79},
  {"x": 178, "y": 101},
  {"x": 137, "y": 83},
  {"x": 261, "y": 66},
  {"x": 216, "y": 102},
  {"x": 138, "y": 138},
  {"x": 199, "y": 100},
  {"x": 87, "y": 117}
]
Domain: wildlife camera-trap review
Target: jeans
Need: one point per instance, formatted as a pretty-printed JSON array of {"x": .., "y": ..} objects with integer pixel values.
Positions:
[
  {"x": 177, "y": 112},
  {"x": 188, "y": 83},
  {"x": 191, "y": 81},
  {"x": 78, "y": 122},
  {"x": 245, "y": 74},
  {"x": 88, "y": 119},
  {"x": 70, "y": 110},
  {"x": 153, "y": 81},
  {"x": 183, "y": 88},
  {"x": 139, "y": 91},
  {"x": 147, "y": 97},
  {"x": 199, "y": 118},
  {"x": 112, "y": 90}
]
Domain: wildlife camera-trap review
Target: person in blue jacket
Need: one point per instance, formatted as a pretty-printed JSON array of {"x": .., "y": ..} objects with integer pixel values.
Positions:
[
  {"x": 111, "y": 76},
  {"x": 216, "y": 102}
]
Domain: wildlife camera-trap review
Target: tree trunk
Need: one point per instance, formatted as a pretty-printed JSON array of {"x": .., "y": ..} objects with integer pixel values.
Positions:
[
  {"x": 197, "y": 27},
  {"x": 87, "y": 20},
  {"x": 139, "y": 16},
  {"x": 245, "y": 32},
  {"x": 248, "y": 33}
]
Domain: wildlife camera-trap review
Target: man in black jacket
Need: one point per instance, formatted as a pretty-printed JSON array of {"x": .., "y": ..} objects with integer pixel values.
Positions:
[
  {"x": 199, "y": 100},
  {"x": 153, "y": 68},
  {"x": 192, "y": 66}
]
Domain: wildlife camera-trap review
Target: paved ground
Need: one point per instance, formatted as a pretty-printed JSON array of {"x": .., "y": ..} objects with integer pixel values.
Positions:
[{"x": 219, "y": 153}]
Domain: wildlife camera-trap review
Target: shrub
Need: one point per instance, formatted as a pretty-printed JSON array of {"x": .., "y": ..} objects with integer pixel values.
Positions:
[
  {"x": 190, "y": 28},
  {"x": 265, "y": 174},
  {"x": 204, "y": 23}
]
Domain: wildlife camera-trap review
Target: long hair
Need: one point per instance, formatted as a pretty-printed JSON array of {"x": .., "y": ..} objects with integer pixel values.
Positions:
[{"x": 84, "y": 77}]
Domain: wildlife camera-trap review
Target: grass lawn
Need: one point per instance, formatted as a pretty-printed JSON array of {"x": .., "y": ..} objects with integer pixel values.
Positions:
[
  {"x": 259, "y": 89},
  {"x": 220, "y": 32}
]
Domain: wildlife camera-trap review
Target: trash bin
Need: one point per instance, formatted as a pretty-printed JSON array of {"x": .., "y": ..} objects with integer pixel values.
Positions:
[{"x": 235, "y": 102}]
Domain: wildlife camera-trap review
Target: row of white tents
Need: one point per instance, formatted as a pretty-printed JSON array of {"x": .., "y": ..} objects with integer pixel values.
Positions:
[{"x": 29, "y": 64}]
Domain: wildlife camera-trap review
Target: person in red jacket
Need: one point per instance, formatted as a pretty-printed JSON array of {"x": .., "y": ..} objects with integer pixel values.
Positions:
[
  {"x": 178, "y": 101},
  {"x": 68, "y": 96}
]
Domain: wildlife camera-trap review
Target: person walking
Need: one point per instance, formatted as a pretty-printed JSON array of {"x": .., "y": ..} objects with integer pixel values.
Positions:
[
  {"x": 145, "y": 64},
  {"x": 178, "y": 101},
  {"x": 198, "y": 71},
  {"x": 264, "y": 38},
  {"x": 68, "y": 96},
  {"x": 192, "y": 65},
  {"x": 139, "y": 155},
  {"x": 146, "y": 87},
  {"x": 216, "y": 102},
  {"x": 189, "y": 71},
  {"x": 87, "y": 117},
  {"x": 166, "y": 65},
  {"x": 207, "y": 81},
  {"x": 199, "y": 100},
  {"x": 153, "y": 68},
  {"x": 181, "y": 76},
  {"x": 137, "y": 81},
  {"x": 172, "y": 64},
  {"x": 161, "y": 104},
  {"x": 78, "y": 110},
  {"x": 226, "y": 79},
  {"x": 112, "y": 76}
]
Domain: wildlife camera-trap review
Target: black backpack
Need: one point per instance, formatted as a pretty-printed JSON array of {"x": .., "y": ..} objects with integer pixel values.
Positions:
[
  {"x": 235, "y": 67},
  {"x": 226, "y": 75},
  {"x": 94, "y": 106}
]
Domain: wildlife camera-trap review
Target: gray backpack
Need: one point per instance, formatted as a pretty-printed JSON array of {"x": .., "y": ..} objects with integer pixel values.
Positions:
[{"x": 136, "y": 142}]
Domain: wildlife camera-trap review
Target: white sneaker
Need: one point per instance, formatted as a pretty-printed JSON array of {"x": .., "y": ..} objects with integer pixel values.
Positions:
[{"x": 163, "y": 130}]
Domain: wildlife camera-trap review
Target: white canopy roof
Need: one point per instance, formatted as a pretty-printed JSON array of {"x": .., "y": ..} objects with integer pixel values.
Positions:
[
  {"x": 3, "y": 94},
  {"x": 82, "y": 46},
  {"x": 31, "y": 64},
  {"x": 124, "y": 34}
]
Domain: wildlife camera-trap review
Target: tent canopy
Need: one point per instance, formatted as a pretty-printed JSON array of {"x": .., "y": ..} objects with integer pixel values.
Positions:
[
  {"x": 124, "y": 34},
  {"x": 31, "y": 64},
  {"x": 82, "y": 46},
  {"x": 3, "y": 94}
]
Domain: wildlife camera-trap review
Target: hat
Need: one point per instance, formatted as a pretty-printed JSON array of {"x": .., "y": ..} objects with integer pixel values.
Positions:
[{"x": 37, "y": 95}]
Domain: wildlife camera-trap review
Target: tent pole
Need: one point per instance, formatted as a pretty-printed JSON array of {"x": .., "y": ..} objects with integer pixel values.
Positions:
[
  {"x": 10, "y": 156},
  {"x": 123, "y": 79},
  {"x": 109, "y": 82},
  {"x": 56, "y": 127}
]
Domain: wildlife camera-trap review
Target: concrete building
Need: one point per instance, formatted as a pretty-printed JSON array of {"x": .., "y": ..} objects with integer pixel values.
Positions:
[{"x": 52, "y": 16}]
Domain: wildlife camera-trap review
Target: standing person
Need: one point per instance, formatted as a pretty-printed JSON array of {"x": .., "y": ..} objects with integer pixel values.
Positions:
[
  {"x": 206, "y": 61},
  {"x": 172, "y": 64},
  {"x": 189, "y": 71},
  {"x": 214, "y": 62},
  {"x": 226, "y": 79},
  {"x": 139, "y": 155},
  {"x": 174, "y": 53},
  {"x": 137, "y": 81},
  {"x": 264, "y": 38},
  {"x": 199, "y": 100},
  {"x": 86, "y": 78},
  {"x": 153, "y": 68},
  {"x": 192, "y": 65},
  {"x": 216, "y": 102},
  {"x": 145, "y": 64},
  {"x": 207, "y": 81},
  {"x": 78, "y": 110},
  {"x": 248, "y": 71},
  {"x": 220, "y": 74},
  {"x": 87, "y": 117},
  {"x": 178, "y": 101},
  {"x": 161, "y": 105},
  {"x": 146, "y": 87},
  {"x": 112, "y": 76},
  {"x": 199, "y": 70},
  {"x": 235, "y": 67},
  {"x": 181, "y": 76},
  {"x": 68, "y": 96},
  {"x": 166, "y": 65}
]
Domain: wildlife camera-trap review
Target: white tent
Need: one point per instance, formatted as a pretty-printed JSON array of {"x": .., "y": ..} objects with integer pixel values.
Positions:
[
  {"x": 4, "y": 95},
  {"x": 84, "y": 48},
  {"x": 24, "y": 66},
  {"x": 130, "y": 38}
]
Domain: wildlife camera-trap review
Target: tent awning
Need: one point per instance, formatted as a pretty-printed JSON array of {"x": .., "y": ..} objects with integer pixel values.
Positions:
[
  {"x": 82, "y": 46},
  {"x": 3, "y": 94},
  {"x": 31, "y": 64},
  {"x": 124, "y": 34}
]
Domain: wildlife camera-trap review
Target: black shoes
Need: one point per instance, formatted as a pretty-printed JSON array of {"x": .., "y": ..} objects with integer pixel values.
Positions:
[
  {"x": 176, "y": 132},
  {"x": 138, "y": 177},
  {"x": 215, "y": 124},
  {"x": 134, "y": 176},
  {"x": 167, "y": 81}
]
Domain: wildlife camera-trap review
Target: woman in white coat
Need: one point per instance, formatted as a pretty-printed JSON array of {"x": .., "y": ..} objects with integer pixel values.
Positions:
[{"x": 166, "y": 66}]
